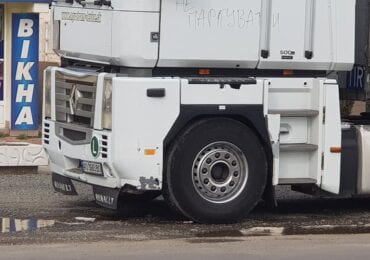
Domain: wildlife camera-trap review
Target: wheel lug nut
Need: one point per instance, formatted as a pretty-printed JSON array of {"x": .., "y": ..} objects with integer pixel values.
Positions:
[
  {"x": 204, "y": 170},
  {"x": 213, "y": 188},
  {"x": 233, "y": 163},
  {"x": 232, "y": 184},
  {"x": 223, "y": 189},
  {"x": 217, "y": 155},
  {"x": 227, "y": 156},
  {"x": 209, "y": 160},
  {"x": 206, "y": 181},
  {"x": 236, "y": 174}
]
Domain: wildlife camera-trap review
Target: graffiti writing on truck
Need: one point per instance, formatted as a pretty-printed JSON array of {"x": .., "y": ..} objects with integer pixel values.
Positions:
[{"x": 226, "y": 18}]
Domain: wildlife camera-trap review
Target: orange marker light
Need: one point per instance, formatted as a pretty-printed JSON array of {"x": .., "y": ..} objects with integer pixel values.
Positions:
[
  {"x": 204, "y": 72},
  {"x": 288, "y": 73},
  {"x": 336, "y": 149},
  {"x": 150, "y": 152}
]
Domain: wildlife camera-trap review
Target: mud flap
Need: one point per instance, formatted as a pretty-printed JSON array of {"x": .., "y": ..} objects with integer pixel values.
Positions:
[
  {"x": 106, "y": 197},
  {"x": 63, "y": 185}
]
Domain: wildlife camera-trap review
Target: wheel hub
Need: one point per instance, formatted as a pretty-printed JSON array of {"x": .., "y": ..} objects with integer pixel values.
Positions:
[{"x": 220, "y": 172}]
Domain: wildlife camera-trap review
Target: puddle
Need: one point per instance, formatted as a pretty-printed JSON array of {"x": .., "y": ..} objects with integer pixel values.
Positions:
[
  {"x": 286, "y": 231},
  {"x": 12, "y": 225}
]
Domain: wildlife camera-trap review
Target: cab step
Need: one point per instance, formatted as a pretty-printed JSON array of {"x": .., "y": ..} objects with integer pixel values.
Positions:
[
  {"x": 298, "y": 147},
  {"x": 295, "y": 113},
  {"x": 292, "y": 181}
]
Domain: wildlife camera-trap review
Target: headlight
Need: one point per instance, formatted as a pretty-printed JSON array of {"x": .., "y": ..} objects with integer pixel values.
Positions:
[
  {"x": 47, "y": 94},
  {"x": 107, "y": 104}
]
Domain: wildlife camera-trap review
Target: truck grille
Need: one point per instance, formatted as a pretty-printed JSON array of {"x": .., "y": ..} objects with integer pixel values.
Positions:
[
  {"x": 75, "y": 99},
  {"x": 46, "y": 133}
]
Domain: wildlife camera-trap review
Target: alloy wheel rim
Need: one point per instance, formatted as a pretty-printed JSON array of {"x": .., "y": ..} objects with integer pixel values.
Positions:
[{"x": 220, "y": 172}]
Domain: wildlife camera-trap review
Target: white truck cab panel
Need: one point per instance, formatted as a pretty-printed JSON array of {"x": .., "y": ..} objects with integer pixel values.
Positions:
[
  {"x": 118, "y": 5},
  {"x": 117, "y": 37},
  {"x": 136, "y": 5},
  {"x": 210, "y": 33},
  {"x": 263, "y": 34},
  {"x": 315, "y": 35},
  {"x": 239, "y": 34}
]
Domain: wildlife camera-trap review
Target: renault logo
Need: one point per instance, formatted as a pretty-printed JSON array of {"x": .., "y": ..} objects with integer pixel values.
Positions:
[{"x": 73, "y": 100}]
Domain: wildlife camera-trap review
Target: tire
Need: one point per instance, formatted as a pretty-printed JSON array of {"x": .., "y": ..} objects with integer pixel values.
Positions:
[{"x": 216, "y": 171}]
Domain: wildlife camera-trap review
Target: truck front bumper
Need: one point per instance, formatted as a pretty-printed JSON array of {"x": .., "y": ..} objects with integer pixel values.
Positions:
[{"x": 66, "y": 157}]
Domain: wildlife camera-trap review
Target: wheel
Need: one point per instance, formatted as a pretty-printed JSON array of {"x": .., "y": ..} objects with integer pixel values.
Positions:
[{"x": 216, "y": 171}]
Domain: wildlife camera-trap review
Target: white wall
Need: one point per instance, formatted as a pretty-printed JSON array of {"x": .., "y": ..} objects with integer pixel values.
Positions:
[{"x": 46, "y": 38}]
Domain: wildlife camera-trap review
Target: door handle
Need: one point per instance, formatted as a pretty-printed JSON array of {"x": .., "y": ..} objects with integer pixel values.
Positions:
[{"x": 156, "y": 92}]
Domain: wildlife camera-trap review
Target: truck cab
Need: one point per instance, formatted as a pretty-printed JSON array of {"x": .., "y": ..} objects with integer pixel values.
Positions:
[{"x": 210, "y": 103}]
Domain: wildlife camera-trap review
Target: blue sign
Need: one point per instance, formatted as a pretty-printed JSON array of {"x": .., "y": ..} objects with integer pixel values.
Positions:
[
  {"x": 356, "y": 79},
  {"x": 25, "y": 72}
]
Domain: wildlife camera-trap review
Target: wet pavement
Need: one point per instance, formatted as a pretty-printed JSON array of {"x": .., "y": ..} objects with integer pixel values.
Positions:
[
  {"x": 31, "y": 212},
  {"x": 321, "y": 247}
]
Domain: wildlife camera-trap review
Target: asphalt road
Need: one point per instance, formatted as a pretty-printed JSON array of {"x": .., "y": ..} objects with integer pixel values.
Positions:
[
  {"x": 275, "y": 248},
  {"x": 28, "y": 201}
]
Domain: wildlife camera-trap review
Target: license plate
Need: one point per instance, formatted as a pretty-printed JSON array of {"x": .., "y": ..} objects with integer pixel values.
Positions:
[{"x": 92, "y": 167}]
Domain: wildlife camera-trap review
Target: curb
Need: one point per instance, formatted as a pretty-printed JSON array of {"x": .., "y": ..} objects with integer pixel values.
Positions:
[{"x": 22, "y": 154}]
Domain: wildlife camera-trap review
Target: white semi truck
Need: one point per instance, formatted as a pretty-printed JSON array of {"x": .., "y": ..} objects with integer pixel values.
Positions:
[{"x": 210, "y": 103}]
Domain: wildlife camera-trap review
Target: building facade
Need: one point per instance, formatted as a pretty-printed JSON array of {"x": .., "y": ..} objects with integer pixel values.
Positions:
[
  {"x": 24, "y": 53},
  {"x": 24, "y": 39}
]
